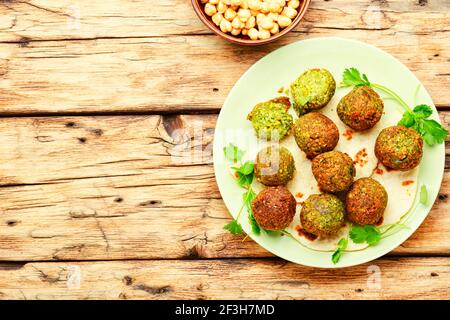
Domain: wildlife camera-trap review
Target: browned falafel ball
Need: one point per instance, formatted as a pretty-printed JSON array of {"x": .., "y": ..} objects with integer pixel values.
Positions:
[
  {"x": 274, "y": 208},
  {"x": 334, "y": 171},
  {"x": 315, "y": 134},
  {"x": 274, "y": 166},
  {"x": 366, "y": 201},
  {"x": 361, "y": 109},
  {"x": 322, "y": 215},
  {"x": 399, "y": 148}
]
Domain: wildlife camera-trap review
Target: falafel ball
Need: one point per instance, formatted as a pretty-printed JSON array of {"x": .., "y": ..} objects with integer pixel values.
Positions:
[
  {"x": 315, "y": 134},
  {"x": 312, "y": 90},
  {"x": 366, "y": 201},
  {"x": 334, "y": 171},
  {"x": 361, "y": 109},
  {"x": 274, "y": 208},
  {"x": 274, "y": 166},
  {"x": 399, "y": 148},
  {"x": 270, "y": 119},
  {"x": 322, "y": 215}
]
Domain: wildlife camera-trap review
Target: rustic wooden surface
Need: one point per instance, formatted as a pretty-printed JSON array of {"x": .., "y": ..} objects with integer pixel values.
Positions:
[{"x": 102, "y": 191}]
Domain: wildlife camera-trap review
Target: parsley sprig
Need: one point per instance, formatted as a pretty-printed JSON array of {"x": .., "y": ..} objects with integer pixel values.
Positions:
[
  {"x": 342, "y": 245},
  {"x": 245, "y": 175},
  {"x": 415, "y": 118}
]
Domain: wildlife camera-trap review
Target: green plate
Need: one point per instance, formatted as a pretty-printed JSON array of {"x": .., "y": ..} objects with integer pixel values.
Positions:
[{"x": 279, "y": 68}]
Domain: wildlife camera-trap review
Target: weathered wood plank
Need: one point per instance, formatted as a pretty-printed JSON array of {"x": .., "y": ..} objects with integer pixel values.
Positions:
[
  {"x": 146, "y": 57},
  {"x": 172, "y": 74},
  {"x": 47, "y": 19},
  {"x": 386, "y": 278},
  {"x": 126, "y": 187}
]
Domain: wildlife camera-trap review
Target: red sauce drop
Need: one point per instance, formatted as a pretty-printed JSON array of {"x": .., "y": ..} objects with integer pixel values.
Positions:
[
  {"x": 361, "y": 158},
  {"x": 378, "y": 171},
  {"x": 407, "y": 182},
  {"x": 299, "y": 194},
  {"x": 303, "y": 233},
  {"x": 348, "y": 134},
  {"x": 236, "y": 174}
]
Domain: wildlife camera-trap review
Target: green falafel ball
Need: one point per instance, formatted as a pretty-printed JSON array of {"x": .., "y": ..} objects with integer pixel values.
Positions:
[
  {"x": 366, "y": 201},
  {"x": 322, "y": 215},
  {"x": 361, "y": 109},
  {"x": 315, "y": 134},
  {"x": 271, "y": 120},
  {"x": 274, "y": 166},
  {"x": 399, "y": 148},
  {"x": 312, "y": 90},
  {"x": 334, "y": 171}
]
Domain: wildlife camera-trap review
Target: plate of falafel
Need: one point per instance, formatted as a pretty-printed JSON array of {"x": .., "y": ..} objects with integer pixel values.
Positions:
[{"x": 328, "y": 152}]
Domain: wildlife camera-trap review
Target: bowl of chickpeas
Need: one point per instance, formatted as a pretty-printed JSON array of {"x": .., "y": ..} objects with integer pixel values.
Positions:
[{"x": 250, "y": 22}]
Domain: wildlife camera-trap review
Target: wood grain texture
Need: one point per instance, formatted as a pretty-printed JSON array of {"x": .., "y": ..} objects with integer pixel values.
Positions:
[
  {"x": 130, "y": 187},
  {"x": 128, "y": 58},
  {"x": 386, "y": 278}
]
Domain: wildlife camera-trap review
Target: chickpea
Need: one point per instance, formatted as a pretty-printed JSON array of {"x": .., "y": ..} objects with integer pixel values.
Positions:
[
  {"x": 294, "y": 4},
  {"x": 221, "y": 7},
  {"x": 273, "y": 16},
  {"x": 275, "y": 29},
  {"x": 210, "y": 9},
  {"x": 263, "y": 34},
  {"x": 274, "y": 7},
  {"x": 254, "y": 5},
  {"x": 214, "y": 2},
  {"x": 289, "y": 12},
  {"x": 251, "y": 23},
  {"x": 244, "y": 14},
  {"x": 284, "y": 21},
  {"x": 217, "y": 18},
  {"x": 265, "y": 7},
  {"x": 235, "y": 32},
  {"x": 253, "y": 34},
  {"x": 225, "y": 25},
  {"x": 266, "y": 23},
  {"x": 230, "y": 14},
  {"x": 244, "y": 32},
  {"x": 236, "y": 23},
  {"x": 236, "y": 3}
]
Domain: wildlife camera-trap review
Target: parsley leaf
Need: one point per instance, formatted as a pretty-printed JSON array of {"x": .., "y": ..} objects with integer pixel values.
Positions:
[
  {"x": 256, "y": 229},
  {"x": 368, "y": 233},
  {"x": 342, "y": 245},
  {"x": 245, "y": 174},
  {"x": 234, "y": 227},
  {"x": 422, "y": 111},
  {"x": 431, "y": 130},
  {"x": 423, "y": 195},
  {"x": 233, "y": 153},
  {"x": 352, "y": 77},
  {"x": 248, "y": 197}
]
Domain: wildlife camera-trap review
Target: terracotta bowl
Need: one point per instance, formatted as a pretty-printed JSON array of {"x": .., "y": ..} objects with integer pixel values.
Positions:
[{"x": 198, "y": 7}]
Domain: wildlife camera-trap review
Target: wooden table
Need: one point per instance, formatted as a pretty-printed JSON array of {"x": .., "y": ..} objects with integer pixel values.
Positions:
[{"x": 93, "y": 98}]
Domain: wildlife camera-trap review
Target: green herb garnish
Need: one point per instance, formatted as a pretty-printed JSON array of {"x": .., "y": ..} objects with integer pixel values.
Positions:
[
  {"x": 423, "y": 195},
  {"x": 245, "y": 176},
  {"x": 342, "y": 245},
  {"x": 368, "y": 233},
  {"x": 234, "y": 227},
  {"x": 233, "y": 153},
  {"x": 416, "y": 118},
  {"x": 248, "y": 197}
]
